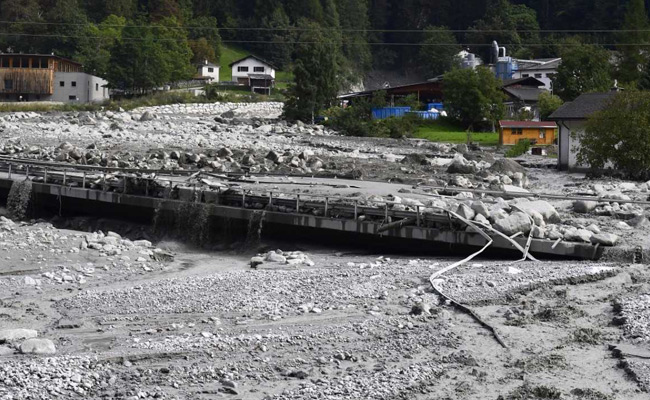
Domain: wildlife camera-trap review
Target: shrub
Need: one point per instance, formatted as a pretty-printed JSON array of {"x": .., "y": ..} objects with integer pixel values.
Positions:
[
  {"x": 620, "y": 135},
  {"x": 520, "y": 148}
]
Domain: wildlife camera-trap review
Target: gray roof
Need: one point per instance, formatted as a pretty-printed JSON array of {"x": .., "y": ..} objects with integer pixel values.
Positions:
[
  {"x": 527, "y": 81},
  {"x": 551, "y": 64},
  {"x": 529, "y": 94},
  {"x": 582, "y": 107}
]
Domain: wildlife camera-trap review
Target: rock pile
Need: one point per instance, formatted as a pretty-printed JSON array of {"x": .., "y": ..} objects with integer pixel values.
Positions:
[{"x": 294, "y": 258}]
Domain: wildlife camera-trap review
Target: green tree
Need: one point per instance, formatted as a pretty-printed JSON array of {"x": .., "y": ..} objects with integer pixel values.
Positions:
[
  {"x": 146, "y": 57},
  {"x": 316, "y": 73},
  {"x": 514, "y": 25},
  {"x": 632, "y": 40},
  {"x": 437, "y": 59},
  {"x": 548, "y": 103},
  {"x": 620, "y": 134},
  {"x": 585, "y": 68},
  {"x": 473, "y": 96},
  {"x": 353, "y": 16},
  {"x": 202, "y": 51},
  {"x": 94, "y": 49},
  {"x": 205, "y": 30}
]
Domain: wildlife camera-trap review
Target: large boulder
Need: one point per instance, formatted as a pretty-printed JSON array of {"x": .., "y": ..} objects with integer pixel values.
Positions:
[
  {"x": 147, "y": 116},
  {"x": 16, "y": 334},
  {"x": 38, "y": 346},
  {"x": 548, "y": 212},
  {"x": 584, "y": 206},
  {"x": 578, "y": 235},
  {"x": 516, "y": 222},
  {"x": 605, "y": 239},
  {"x": 507, "y": 166},
  {"x": 465, "y": 212},
  {"x": 460, "y": 167}
]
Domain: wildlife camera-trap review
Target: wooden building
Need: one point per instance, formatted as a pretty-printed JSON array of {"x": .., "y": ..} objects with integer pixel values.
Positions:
[
  {"x": 46, "y": 77},
  {"x": 538, "y": 133}
]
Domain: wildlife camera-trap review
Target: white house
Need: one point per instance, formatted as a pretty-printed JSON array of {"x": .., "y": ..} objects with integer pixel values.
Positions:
[
  {"x": 78, "y": 87},
  {"x": 208, "y": 71},
  {"x": 571, "y": 119},
  {"x": 251, "y": 65},
  {"x": 541, "y": 69}
]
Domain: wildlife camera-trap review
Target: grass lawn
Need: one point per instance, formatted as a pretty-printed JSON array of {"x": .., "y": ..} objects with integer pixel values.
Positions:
[
  {"x": 449, "y": 133},
  {"x": 228, "y": 55},
  {"x": 233, "y": 53}
]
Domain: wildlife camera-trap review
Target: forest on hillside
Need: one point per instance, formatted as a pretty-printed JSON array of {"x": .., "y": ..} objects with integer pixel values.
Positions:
[{"x": 140, "y": 44}]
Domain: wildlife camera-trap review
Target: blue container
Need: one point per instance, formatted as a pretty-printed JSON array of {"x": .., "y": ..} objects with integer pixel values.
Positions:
[
  {"x": 435, "y": 106},
  {"x": 426, "y": 115},
  {"x": 386, "y": 112}
]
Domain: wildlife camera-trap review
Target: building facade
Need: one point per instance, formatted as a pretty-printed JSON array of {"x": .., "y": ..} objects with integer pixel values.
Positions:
[
  {"x": 538, "y": 133},
  {"x": 571, "y": 119},
  {"x": 42, "y": 77},
  {"x": 242, "y": 69},
  {"x": 208, "y": 72},
  {"x": 542, "y": 69}
]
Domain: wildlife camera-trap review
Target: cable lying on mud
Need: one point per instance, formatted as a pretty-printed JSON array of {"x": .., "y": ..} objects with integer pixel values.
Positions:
[{"x": 434, "y": 278}]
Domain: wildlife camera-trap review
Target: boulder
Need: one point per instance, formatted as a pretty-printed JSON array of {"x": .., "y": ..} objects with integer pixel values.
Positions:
[
  {"x": 38, "y": 346},
  {"x": 578, "y": 235},
  {"x": 548, "y": 212},
  {"x": 507, "y": 166},
  {"x": 480, "y": 208},
  {"x": 275, "y": 257},
  {"x": 273, "y": 156},
  {"x": 15, "y": 334},
  {"x": 224, "y": 152},
  {"x": 147, "y": 116},
  {"x": 605, "y": 239},
  {"x": 584, "y": 206},
  {"x": 255, "y": 261},
  {"x": 516, "y": 222},
  {"x": 459, "y": 167},
  {"x": 465, "y": 212}
]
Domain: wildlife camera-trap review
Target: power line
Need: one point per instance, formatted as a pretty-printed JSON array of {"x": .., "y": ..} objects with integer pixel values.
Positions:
[
  {"x": 333, "y": 28},
  {"x": 314, "y": 42}
]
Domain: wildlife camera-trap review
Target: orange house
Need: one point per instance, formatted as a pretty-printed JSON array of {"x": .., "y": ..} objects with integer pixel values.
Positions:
[{"x": 539, "y": 133}]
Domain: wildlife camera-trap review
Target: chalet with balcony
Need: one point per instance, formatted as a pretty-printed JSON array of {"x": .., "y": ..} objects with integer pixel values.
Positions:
[{"x": 254, "y": 72}]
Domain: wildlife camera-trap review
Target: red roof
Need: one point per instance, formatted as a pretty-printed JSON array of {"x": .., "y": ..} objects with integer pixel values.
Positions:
[{"x": 527, "y": 124}]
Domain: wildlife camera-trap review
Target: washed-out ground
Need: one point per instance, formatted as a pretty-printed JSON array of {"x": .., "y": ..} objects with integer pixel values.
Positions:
[{"x": 118, "y": 317}]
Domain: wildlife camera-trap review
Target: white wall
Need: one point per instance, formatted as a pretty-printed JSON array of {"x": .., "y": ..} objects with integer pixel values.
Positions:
[
  {"x": 569, "y": 144},
  {"x": 546, "y": 75},
  {"x": 204, "y": 71},
  {"x": 251, "y": 63},
  {"x": 87, "y": 89}
]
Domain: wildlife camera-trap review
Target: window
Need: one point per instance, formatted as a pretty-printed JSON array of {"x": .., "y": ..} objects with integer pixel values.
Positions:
[
  {"x": 61, "y": 83},
  {"x": 72, "y": 97},
  {"x": 23, "y": 62},
  {"x": 9, "y": 84},
  {"x": 542, "y": 134},
  {"x": 4, "y": 63},
  {"x": 210, "y": 69},
  {"x": 73, "y": 83},
  {"x": 258, "y": 69},
  {"x": 96, "y": 87},
  {"x": 517, "y": 131},
  {"x": 242, "y": 69},
  {"x": 525, "y": 75},
  {"x": 538, "y": 75}
]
